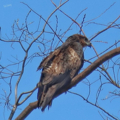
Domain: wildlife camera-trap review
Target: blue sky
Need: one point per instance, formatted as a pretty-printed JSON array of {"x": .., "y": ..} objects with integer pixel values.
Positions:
[{"x": 66, "y": 106}]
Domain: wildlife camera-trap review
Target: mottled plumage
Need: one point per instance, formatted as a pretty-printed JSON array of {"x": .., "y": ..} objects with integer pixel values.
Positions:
[{"x": 60, "y": 67}]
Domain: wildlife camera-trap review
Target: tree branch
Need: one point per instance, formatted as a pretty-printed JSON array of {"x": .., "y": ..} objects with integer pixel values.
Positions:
[
  {"x": 27, "y": 111},
  {"x": 75, "y": 80}
]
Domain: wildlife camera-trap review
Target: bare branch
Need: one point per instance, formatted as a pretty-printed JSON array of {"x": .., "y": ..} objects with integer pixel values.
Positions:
[
  {"x": 105, "y": 28},
  {"x": 101, "y": 13},
  {"x": 77, "y": 79},
  {"x": 27, "y": 111},
  {"x": 69, "y": 18},
  {"x": 94, "y": 105}
]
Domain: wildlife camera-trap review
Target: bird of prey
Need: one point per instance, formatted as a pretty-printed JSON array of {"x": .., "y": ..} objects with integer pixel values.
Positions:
[{"x": 59, "y": 67}]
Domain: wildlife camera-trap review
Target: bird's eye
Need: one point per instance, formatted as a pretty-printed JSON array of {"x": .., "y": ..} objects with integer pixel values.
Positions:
[{"x": 86, "y": 39}]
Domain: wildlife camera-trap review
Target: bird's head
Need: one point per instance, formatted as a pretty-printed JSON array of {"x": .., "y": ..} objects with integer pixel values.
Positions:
[
  {"x": 84, "y": 40},
  {"x": 79, "y": 38}
]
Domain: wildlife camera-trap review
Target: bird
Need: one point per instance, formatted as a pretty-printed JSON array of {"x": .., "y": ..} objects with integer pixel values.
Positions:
[{"x": 59, "y": 68}]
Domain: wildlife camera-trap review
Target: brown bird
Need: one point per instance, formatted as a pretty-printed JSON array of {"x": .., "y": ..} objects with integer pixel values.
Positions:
[{"x": 59, "y": 67}]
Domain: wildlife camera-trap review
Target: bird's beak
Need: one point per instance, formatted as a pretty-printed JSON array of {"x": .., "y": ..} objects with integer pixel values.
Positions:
[{"x": 89, "y": 44}]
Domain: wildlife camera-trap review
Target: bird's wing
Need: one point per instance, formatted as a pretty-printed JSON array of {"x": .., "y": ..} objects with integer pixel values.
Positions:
[
  {"x": 54, "y": 69},
  {"x": 47, "y": 60},
  {"x": 65, "y": 60},
  {"x": 52, "y": 72}
]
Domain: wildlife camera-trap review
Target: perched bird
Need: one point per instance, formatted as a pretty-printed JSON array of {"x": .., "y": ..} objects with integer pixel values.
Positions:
[{"x": 59, "y": 67}]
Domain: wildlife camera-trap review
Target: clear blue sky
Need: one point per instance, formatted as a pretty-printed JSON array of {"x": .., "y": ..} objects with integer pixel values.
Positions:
[{"x": 66, "y": 106}]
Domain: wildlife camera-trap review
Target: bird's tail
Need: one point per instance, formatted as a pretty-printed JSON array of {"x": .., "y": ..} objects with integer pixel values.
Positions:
[{"x": 40, "y": 94}]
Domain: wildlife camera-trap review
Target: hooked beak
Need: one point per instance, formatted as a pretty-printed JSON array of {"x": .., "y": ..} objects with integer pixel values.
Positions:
[{"x": 89, "y": 44}]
